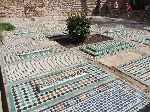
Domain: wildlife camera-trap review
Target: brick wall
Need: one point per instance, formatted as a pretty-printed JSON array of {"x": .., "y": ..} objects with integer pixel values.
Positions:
[{"x": 28, "y": 8}]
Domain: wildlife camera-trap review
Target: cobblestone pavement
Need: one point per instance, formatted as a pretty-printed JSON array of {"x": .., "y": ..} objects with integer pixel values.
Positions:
[{"x": 41, "y": 75}]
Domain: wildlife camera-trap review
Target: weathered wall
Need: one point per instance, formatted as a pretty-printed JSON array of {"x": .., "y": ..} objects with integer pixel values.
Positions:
[
  {"x": 28, "y": 8},
  {"x": 120, "y": 2}
]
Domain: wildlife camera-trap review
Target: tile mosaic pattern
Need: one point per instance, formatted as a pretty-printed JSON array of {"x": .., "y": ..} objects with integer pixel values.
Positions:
[
  {"x": 138, "y": 35},
  {"x": 130, "y": 31},
  {"x": 114, "y": 96},
  {"x": 30, "y": 54},
  {"x": 72, "y": 75},
  {"x": 23, "y": 34},
  {"x": 61, "y": 82},
  {"x": 138, "y": 69},
  {"x": 105, "y": 48},
  {"x": 126, "y": 33},
  {"x": 114, "y": 32},
  {"x": 35, "y": 67},
  {"x": 26, "y": 97},
  {"x": 146, "y": 41},
  {"x": 143, "y": 39},
  {"x": 59, "y": 78},
  {"x": 24, "y": 45}
]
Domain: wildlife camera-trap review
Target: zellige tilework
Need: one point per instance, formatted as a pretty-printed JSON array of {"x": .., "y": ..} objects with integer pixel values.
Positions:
[
  {"x": 114, "y": 96},
  {"x": 10, "y": 58},
  {"x": 35, "y": 67},
  {"x": 106, "y": 48},
  {"x": 138, "y": 69},
  {"x": 25, "y": 96}
]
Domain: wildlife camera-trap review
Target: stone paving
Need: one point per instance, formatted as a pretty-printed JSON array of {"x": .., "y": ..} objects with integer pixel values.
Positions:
[
  {"x": 47, "y": 77},
  {"x": 36, "y": 29}
]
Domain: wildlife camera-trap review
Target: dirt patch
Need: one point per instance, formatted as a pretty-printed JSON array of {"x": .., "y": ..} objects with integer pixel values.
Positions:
[
  {"x": 69, "y": 43},
  {"x": 47, "y": 43},
  {"x": 120, "y": 58}
]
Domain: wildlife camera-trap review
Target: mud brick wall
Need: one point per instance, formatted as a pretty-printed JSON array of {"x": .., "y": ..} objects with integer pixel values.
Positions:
[{"x": 28, "y": 8}]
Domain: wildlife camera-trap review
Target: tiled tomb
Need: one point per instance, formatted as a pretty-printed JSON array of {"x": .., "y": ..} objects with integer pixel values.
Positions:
[
  {"x": 114, "y": 96},
  {"x": 143, "y": 39},
  {"x": 19, "y": 46},
  {"x": 137, "y": 35},
  {"x": 12, "y": 36},
  {"x": 10, "y": 58},
  {"x": 35, "y": 67},
  {"x": 25, "y": 96},
  {"x": 15, "y": 35},
  {"x": 125, "y": 32},
  {"x": 138, "y": 69},
  {"x": 106, "y": 48}
]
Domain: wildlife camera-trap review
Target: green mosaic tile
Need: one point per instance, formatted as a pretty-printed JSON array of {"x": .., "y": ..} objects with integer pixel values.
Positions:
[
  {"x": 106, "y": 48},
  {"x": 114, "y": 96},
  {"x": 138, "y": 69},
  {"x": 25, "y": 96}
]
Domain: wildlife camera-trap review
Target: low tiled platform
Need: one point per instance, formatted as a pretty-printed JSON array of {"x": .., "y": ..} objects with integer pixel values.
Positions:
[
  {"x": 143, "y": 39},
  {"x": 137, "y": 35},
  {"x": 19, "y": 45},
  {"x": 25, "y": 96},
  {"x": 33, "y": 68},
  {"x": 138, "y": 69},
  {"x": 106, "y": 48},
  {"x": 97, "y": 90},
  {"x": 114, "y": 96},
  {"x": 12, "y": 37},
  {"x": 125, "y": 31},
  {"x": 13, "y": 57}
]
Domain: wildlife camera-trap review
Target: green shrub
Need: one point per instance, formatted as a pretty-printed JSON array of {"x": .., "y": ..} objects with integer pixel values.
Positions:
[
  {"x": 1, "y": 37},
  {"x": 78, "y": 26},
  {"x": 1, "y": 34},
  {"x": 6, "y": 26}
]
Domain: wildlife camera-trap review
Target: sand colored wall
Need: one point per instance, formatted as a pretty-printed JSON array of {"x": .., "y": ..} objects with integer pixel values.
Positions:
[{"x": 27, "y": 8}]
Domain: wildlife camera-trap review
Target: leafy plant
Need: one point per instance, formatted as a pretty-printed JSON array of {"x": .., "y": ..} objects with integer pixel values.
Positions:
[
  {"x": 78, "y": 26},
  {"x": 6, "y": 26},
  {"x": 1, "y": 36}
]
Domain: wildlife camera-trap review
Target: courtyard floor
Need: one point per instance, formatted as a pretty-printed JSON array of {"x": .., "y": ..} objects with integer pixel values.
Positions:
[{"x": 107, "y": 73}]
